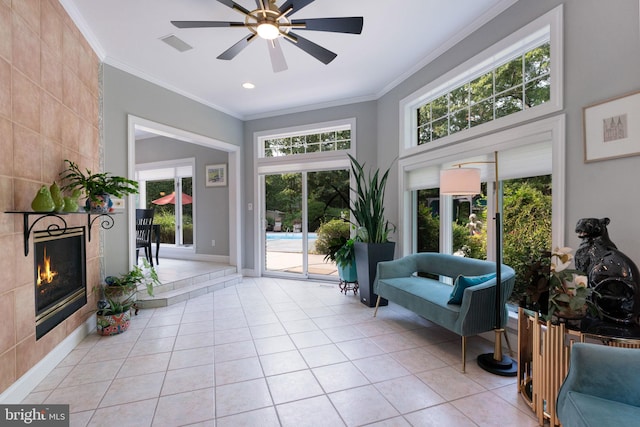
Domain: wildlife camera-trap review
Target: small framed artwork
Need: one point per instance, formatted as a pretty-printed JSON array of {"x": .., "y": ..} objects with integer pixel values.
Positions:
[
  {"x": 216, "y": 175},
  {"x": 612, "y": 128}
]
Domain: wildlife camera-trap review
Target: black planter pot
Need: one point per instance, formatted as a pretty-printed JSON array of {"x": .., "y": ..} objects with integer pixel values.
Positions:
[{"x": 368, "y": 255}]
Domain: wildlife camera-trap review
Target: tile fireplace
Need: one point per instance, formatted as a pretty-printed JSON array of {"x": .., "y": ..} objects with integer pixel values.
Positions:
[{"x": 60, "y": 276}]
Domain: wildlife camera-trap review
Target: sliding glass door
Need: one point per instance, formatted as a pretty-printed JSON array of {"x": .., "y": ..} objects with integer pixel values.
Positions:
[
  {"x": 296, "y": 205},
  {"x": 285, "y": 242}
]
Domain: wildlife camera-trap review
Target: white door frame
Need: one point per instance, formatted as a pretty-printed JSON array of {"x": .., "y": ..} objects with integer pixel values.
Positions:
[{"x": 234, "y": 152}]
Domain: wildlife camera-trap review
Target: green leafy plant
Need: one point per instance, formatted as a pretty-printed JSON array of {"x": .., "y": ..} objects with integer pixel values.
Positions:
[
  {"x": 95, "y": 184},
  {"x": 138, "y": 276},
  {"x": 368, "y": 208},
  {"x": 331, "y": 236},
  {"x": 346, "y": 255},
  {"x": 341, "y": 251},
  {"x": 116, "y": 307}
]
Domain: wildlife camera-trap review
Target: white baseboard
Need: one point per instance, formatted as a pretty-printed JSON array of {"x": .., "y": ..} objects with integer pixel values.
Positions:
[
  {"x": 26, "y": 383},
  {"x": 248, "y": 272}
]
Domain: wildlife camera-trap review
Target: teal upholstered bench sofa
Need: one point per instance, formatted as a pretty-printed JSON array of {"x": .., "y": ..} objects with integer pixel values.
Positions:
[
  {"x": 398, "y": 281},
  {"x": 602, "y": 387}
]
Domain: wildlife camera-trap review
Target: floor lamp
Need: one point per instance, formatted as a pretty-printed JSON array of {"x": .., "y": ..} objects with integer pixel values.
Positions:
[{"x": 466, "y": 181}]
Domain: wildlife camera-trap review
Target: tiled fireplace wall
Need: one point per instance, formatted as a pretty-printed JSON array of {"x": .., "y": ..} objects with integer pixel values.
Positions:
[{"x": 49, "y": 107}]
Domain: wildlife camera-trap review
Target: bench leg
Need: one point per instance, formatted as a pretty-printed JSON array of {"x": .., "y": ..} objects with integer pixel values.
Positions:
[
  {"x": 377, "y": 304},
  {"x": 464, "y": 354}
]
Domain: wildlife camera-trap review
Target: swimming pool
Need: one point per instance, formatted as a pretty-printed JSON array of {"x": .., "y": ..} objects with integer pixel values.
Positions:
[{"x": 289, "y": 236}]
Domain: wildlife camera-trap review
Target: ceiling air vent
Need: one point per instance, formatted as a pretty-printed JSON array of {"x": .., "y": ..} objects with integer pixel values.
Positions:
[{"x": 176, "y": 43}]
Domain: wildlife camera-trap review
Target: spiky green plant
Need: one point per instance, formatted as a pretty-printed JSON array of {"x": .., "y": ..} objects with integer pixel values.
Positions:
[{"x": 368, "y": 207}]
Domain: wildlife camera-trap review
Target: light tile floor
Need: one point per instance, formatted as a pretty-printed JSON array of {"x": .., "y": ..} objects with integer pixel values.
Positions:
[{"x": 276, "y": 352}]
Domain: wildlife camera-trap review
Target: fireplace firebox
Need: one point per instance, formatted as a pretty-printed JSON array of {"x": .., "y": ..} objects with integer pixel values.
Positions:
[{"x": 60, "y": 276}]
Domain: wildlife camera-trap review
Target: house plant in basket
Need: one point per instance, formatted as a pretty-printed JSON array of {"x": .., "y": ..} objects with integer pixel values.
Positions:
[
  {"x": 114, "y": 318},
  {"x": 114, "y": 310}
]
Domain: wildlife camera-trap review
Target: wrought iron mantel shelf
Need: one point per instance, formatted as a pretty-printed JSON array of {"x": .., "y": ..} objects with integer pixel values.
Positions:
[{"x": 106, "y": 222}]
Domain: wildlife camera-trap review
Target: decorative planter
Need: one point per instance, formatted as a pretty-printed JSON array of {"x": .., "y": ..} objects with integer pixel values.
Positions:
[
  {"x": 368, "y": 255},
  {"x": 348, "y": 278},
  {"x": 113, "y": 324},
  {"x": 100, "y": 206},
  {"x": 348, "y": 273}
]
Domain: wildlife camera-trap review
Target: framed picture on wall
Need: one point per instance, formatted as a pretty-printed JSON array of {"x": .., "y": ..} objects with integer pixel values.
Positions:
[
  {"x": 216, "y": 175},
  {"x": 612, "y": 128}
]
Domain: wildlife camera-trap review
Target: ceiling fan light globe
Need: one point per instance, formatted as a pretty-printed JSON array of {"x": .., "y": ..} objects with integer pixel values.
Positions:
[{"x": 268, "y": 31}]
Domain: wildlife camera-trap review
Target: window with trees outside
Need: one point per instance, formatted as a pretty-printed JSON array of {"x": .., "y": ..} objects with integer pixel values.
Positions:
[
  {"x": 306, "y": 143},
  {"x": 520, "y": 83}
]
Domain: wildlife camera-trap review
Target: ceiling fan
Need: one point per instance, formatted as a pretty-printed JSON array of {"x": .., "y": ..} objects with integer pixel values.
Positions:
[{"x": 271, "y": 23}]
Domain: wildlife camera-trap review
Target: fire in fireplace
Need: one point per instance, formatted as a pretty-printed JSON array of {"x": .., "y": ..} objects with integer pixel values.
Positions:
[{"x": 60, "y": 276}]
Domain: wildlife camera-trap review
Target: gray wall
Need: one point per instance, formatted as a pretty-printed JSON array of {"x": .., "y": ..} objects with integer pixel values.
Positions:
[
  {"x": 126, "y": 94},
  {"x": 601, "y": 60},
  {"x": 212, "y": 203},
  {"x": 366, "y": 142}
]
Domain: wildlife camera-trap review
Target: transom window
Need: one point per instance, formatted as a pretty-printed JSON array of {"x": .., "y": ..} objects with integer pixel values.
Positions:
[
  {"x": 317, "y": 141},
  {"x": 521, "y": 83}
]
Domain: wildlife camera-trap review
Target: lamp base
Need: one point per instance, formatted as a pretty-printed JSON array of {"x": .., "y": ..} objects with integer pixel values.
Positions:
[{"x": 506, "y": 367}]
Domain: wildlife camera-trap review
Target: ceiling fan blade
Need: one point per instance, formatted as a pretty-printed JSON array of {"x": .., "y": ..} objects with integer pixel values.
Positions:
[
  {"x": 237, "y": 48},
  {"x": 321, "y": 54},
  {"x": 278, "y": 63},
  {"x": 234, "y": 5},
  {"x": 352, "y": 25},
  {"x": 204, "y": 24},
  {"x": 296, "y": 5}
]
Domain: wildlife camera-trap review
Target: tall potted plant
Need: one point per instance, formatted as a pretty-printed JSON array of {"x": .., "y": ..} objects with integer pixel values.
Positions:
[
  {"x": 98, "y": 187},
  {"x": 372, "y": 237}
]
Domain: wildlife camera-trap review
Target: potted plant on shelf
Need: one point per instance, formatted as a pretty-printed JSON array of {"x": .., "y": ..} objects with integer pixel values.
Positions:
[
  {"x": 372, "y": 237},
  {"x": 119, "y": 297},
  {"x": 97, "y": 187}
]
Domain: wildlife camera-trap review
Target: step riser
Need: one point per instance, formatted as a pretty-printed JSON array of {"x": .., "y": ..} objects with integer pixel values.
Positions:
[
  {"x": 166, "y": 287},
  {"x": 186, "y": 292}
]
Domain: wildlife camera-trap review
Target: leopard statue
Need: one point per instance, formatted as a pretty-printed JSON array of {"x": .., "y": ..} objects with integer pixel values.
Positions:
[{"x": 613, "y": 276}]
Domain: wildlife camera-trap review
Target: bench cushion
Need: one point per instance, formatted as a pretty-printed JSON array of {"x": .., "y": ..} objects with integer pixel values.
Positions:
[
  {"x": 426, "y": 297},
  {"x": 584, "y": 410}
]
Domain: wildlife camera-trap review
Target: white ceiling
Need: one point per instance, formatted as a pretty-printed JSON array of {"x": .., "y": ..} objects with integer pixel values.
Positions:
[{"x": 398, "y": 38}]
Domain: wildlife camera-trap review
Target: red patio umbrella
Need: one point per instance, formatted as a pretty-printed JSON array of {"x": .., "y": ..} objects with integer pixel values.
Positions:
[{"x": 171, "y": 198}]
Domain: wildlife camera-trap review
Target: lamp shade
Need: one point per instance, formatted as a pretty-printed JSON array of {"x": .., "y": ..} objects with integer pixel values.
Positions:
[{"x": 460, "y": 181}]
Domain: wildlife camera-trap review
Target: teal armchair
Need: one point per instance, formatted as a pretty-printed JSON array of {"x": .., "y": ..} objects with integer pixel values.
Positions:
[{"x": 602, "y": 387}]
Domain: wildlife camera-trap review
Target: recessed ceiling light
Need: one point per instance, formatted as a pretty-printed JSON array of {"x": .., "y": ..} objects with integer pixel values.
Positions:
[{"x": 248, "y": 85}]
